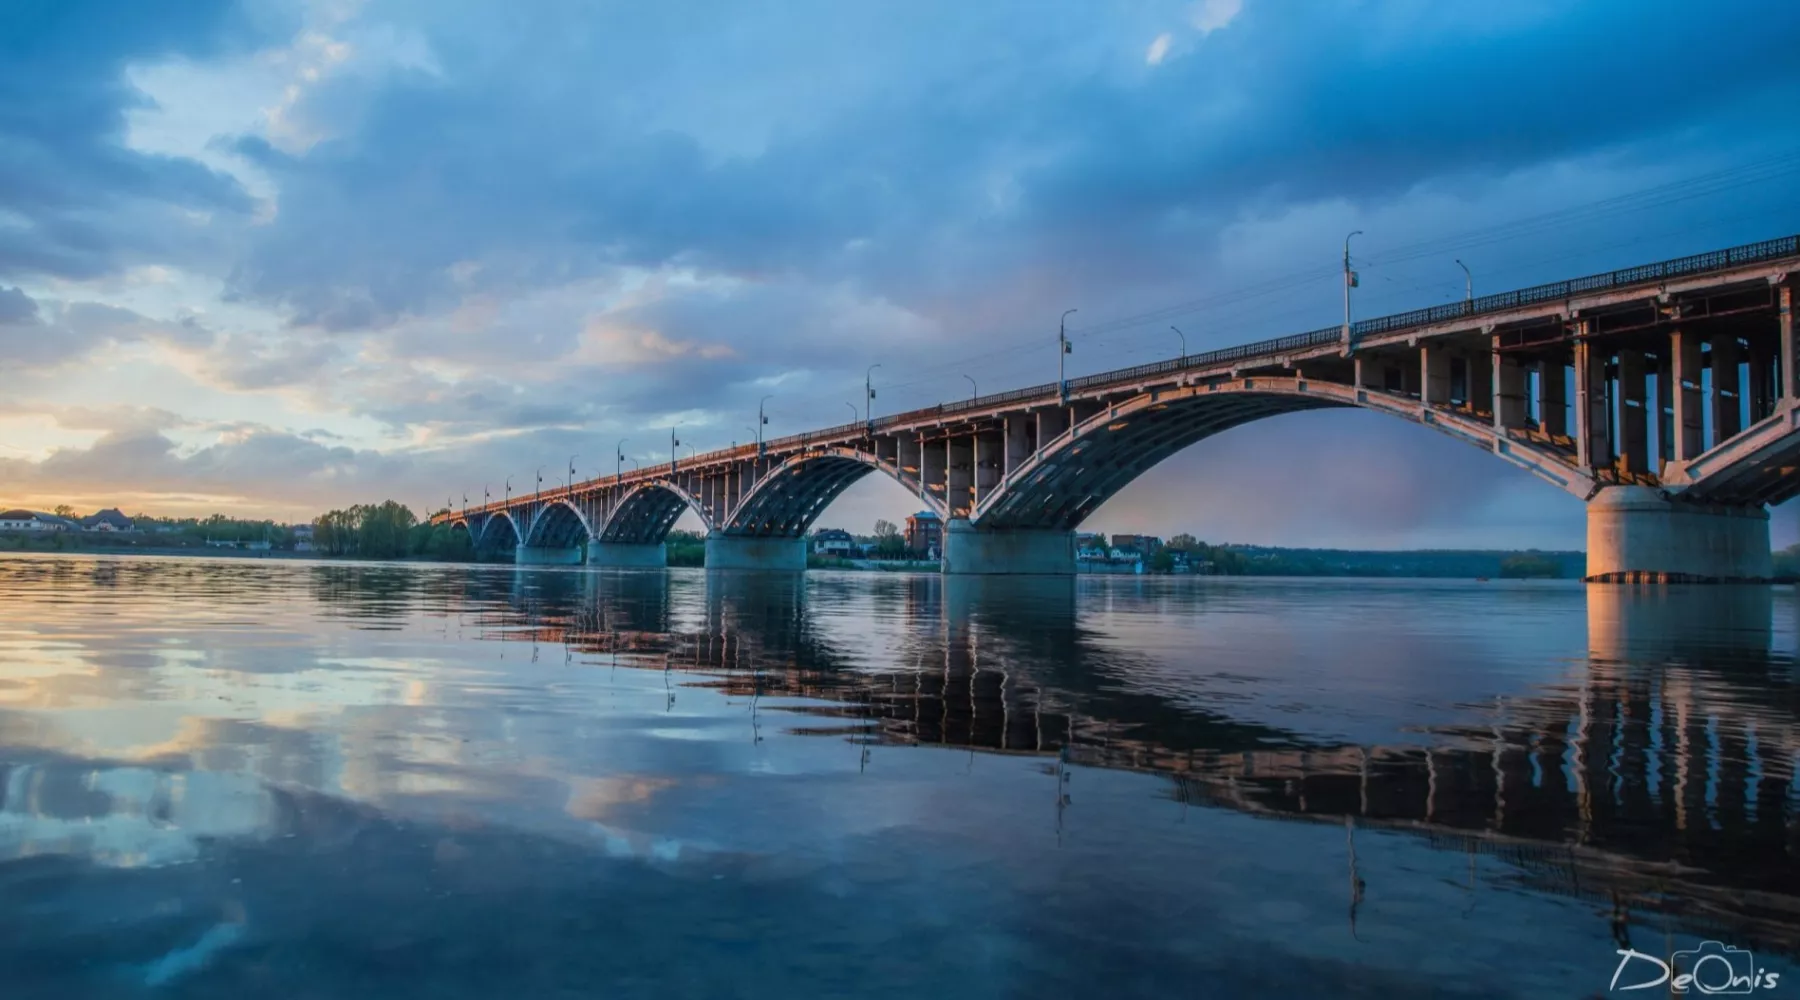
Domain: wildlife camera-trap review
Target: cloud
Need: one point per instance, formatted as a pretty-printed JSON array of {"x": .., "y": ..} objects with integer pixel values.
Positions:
[
  {"x": 16, "y": 308},
  {"x": 1211, "y": 15},
  {"x": 1158, "y": 49}
]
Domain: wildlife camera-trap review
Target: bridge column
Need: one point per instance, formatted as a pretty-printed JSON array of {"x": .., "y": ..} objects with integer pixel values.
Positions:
[
  {"x": 1509, "y": 392},
  {"x": 959, "y": 492},
  {"x": 1762, "y": 379},
  {"x": 1482, "y": 376},
  {"x": 529, "y": 555},
  {"x": 934, "y": 466},
  {"x": 1018, "y": 441},
  {"x": 1553, "y": 398},
  {"x": 1725, "y": 388},
  {"x": 1636, "y": 535},
  {"x": 1689, "y": 436},
  {"x": 1634, "y": 414},
  {"x": 1790, "y": 369},
  {"x": 1434, "y": 375},
  {"x": 627, "y": 555},
  {"x": 746, "y": 552},
  {"x": 1593, "y": 439},
  {"x": 968, "y": 550}
]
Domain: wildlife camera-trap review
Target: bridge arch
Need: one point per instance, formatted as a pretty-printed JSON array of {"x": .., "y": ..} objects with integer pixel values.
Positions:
[
  {"x": 644, "y": 515},
  {"x": 497, "y": 532},
  {"x": 1071, "y": 476},
  {"x": 790, "y": 497},
  {"x": 558, "y": 525}
]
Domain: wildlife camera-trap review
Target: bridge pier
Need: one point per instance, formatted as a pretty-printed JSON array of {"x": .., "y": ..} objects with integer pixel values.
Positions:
[
  {"x": 527, "y": 555},
  {"x": 1635, "y": 534},
  {"x": 627, "y": 555},
  {"x": 971, "y": 551},
  {"x": 744, "y": 552}
]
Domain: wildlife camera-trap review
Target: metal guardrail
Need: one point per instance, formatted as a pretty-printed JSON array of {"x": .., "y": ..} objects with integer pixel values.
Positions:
[{"x": 1715, "y": 260}]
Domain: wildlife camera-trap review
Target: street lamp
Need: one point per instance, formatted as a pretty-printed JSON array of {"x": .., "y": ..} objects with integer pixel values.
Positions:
[
  {"x": 1468, "y": 283},
  {"x": 572, "y": 459},
  {"x": 1349, "y": 283},
  {"x": 852, "y": 407},
  {"x": 674, "y": 443},
  {"x": 1063, "y": 347},
  {"x": 619, "y": 461},
  {"x": 540, "y": 482},
  {"x": 869, "y": 388},
  {"x": 762, "y": 420},
  {"x": 973, "y": 391},
  {"x": 1183, "y": 337},
  {"x": 509, "y": 491}
]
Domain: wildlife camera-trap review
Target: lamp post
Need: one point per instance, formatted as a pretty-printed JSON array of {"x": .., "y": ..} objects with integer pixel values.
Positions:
[
  {"x": 572, "y": 459},
  {"x": 1468, "y": 283},
  {"x": 973, "y": 391},
  {"x": 619, "y": 461},
  {"x": 674, "y": 443},
  {"x": 1183, "y": 337},
  {"x": 1063, "y": 348},
  {"x": 869, "y": 398},
  {"x": 852, "y": 407},
  {"x": 1349, "y": 283},
  {"x": 540, "y": 483},
  {"x": 508, "y": 491},
  {"x": 762, "y": 420}
]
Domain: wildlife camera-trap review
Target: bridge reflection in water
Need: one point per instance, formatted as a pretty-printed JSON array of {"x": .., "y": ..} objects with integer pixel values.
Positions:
[{"x": 1655, "y": 777}]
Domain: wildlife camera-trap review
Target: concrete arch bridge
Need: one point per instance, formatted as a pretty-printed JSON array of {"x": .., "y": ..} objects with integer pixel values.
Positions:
[{"x": 1666, "y": 396}]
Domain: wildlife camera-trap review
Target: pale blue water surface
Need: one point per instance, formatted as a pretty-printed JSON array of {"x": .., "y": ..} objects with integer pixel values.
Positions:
[{"x": 264, "y": 778}]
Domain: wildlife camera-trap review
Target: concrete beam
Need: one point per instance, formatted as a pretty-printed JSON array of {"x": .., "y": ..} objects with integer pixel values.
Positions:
[
  {"x": 1593, "y": 438},
  {"x": 968, "y": 550},
  {"x": 737, "y": 552},
  {"x": 1636, "y": 535},
  {"x": 527, "y": 555},
  {"x": 1690, "y": 426},
  {"x": 627, "y": 555},
  {"x": 959, "y": 494}
]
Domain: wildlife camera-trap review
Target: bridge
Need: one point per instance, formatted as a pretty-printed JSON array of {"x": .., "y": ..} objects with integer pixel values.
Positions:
[{"x": 1665, "y": 396}]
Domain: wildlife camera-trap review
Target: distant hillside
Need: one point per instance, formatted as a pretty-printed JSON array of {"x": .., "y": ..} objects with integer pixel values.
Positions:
[{"x": 1259, "y": 560}]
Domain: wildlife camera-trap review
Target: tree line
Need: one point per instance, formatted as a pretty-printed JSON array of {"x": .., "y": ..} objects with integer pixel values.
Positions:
[{"x": 387, "y": 530}]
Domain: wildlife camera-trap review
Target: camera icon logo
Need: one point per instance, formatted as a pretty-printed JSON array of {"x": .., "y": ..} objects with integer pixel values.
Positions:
[{"x": 1714, "y": 968}]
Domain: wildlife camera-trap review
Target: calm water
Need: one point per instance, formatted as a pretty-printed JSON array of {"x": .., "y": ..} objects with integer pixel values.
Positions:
[{"x": 283, "y": 779}]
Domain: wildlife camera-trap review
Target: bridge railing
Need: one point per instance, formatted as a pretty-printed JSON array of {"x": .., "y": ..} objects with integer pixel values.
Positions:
[{"x": 1715, "y": 260}]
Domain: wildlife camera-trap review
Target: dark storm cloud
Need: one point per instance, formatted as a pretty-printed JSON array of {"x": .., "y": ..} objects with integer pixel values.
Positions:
[{"x": 74, "y": 201}]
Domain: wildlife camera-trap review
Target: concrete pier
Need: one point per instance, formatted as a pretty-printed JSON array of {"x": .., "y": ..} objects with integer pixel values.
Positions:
[
  {"x": 968, "y": 550},
  {"x": 627, "y": 555},
  {"x": 525, "y": 555},
  {"x": 1634, "y": 534},
  {"x": 742, "y": 552}
]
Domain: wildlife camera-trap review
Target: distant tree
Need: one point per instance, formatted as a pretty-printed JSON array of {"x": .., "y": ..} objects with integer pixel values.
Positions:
[
  {"x": 64, "y": 510},
  {"x": 1528, "y": 565},
  {"x": 889, "y": 543},
  {"x": 1184, "y": 542},
  {"x": 1162, "y": 562}
]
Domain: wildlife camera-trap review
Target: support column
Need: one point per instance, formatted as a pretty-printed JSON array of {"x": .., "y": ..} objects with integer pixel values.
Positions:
[
  {"x": 935, "y": 456},
  {"x": 1509, "y": 392},
  {"x": 1790, "y": 368},
  {"x": 1052, "y": 423},
  {"x": 1593, "y": 445},
  {"x": 1634, "y": 414},
  {"x": 527, "y": 555},
  {"x": 968, "y": 550},
  {"x": 1356, "y": 371},
  {"x": 911, "y": 462},
  {"x": 960, "y": 470},
  {"x": 1762, "y": 378},
  {"x": 1690, "y": 428},
  {"x": 1482, "y": 371},
  {"x": 627, "y": 555},
  {"x": 1635, "y": 535},
  {"x": 1665, "y": 408},
  {"x": 1018, "y": 441},
  {"x": 746, "y": 552},
  {"x": 1434, "y": 375},
  {"x": 988, "y": 457},
  {"x": 1725, "y": 388},
  {"x": 1553, "y": 398}
]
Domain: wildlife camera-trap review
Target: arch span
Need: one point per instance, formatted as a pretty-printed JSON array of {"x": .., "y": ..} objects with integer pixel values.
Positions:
[
  {"x": 498, "y": 533},
  {"x": 645, "y": 515},
  {"x": 559, "y": 525},
  {"x": 786, "y": 501},
  {"x": 1068, "y": 478}
]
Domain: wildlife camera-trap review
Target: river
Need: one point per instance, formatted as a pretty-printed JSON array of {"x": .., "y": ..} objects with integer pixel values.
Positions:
[{"x": 229, "y": 778}]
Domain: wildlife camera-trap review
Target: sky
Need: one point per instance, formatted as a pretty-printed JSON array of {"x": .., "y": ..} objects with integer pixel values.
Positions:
[{"x": 268, "y": 258}]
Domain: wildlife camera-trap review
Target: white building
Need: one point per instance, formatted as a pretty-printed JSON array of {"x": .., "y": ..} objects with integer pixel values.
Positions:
[{"x": 26, "y": 520}]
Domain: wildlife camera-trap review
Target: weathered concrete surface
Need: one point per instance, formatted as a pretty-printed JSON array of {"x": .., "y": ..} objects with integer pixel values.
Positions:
[
  {"x": 525, "y": 555},
  {"x": 737, "y": 552},
  {"x": 627, "y": 555},
  {"x": 1023, "y": 553},
  {"x": 1634, "y": 533}
]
